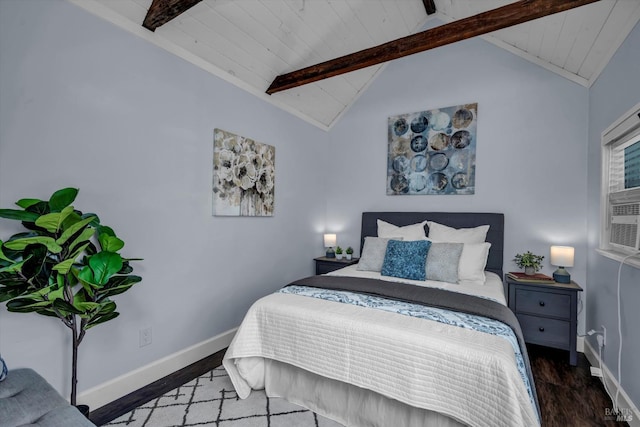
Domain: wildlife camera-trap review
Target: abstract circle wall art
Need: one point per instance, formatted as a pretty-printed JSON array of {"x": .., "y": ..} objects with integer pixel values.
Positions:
[{"x": 433, "y": 151}]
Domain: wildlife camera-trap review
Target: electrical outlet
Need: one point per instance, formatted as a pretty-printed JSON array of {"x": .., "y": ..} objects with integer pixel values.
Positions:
[
  {"x": 145, "y": 336},
  {"x": 604, "y": 335}
]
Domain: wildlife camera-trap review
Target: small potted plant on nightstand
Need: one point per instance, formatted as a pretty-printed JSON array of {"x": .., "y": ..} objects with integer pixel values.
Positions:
[
  {"x": 338, "y": 252},
  {"x": 349, "y": 252},
  {"x": 529, "y": 261}
]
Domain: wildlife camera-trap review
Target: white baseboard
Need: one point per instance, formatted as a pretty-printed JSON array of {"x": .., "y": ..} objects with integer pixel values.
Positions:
[
  {"x": 628, "y": 409},
  {"x": 116, "y": 388}
]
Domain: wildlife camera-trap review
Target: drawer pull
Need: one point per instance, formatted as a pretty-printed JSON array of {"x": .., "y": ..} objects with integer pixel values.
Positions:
[
  {"x": 541, "y": 303},
  {"x": 541, "y": 329}
]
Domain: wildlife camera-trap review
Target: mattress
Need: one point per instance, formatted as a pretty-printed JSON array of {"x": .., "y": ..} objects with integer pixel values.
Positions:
[{"x": 468, "y": 376}]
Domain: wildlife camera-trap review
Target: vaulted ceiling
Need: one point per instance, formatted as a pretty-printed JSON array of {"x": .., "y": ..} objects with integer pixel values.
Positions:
[{"x": 251, "y": 42}]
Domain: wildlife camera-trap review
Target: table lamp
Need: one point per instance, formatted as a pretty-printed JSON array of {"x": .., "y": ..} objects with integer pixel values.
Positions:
[
  {"x": 329, "y": 242},
  {"x": 562, "y": 256}
]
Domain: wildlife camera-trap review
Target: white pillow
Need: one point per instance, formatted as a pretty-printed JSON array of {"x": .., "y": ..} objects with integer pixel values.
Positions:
[
  {"x": 408, "y": 232},
  {"x": 473, "y": 260},
  {"x": 442, "y": 233}
]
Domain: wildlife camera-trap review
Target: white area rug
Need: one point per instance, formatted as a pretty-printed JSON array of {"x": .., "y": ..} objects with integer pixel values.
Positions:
[{"x": 211, "y": 400}]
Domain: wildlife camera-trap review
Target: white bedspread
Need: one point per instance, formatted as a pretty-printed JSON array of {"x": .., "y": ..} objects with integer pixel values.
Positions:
[{"x": 467, "y": 375}]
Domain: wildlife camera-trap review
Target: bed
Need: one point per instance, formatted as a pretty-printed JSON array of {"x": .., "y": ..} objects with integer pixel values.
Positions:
[{"x": 369, "y": 347}]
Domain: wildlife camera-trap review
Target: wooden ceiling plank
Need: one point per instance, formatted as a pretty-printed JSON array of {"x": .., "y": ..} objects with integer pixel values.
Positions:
[
  {"x": 621, "y": 16},
  {"x": 483, "y": 23},
  {"x": 587, "y": 36},
  {"x": 162, "y": 11}
]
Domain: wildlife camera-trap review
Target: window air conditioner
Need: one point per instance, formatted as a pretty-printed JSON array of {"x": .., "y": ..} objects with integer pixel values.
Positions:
[{"x": 625, "y": 226}]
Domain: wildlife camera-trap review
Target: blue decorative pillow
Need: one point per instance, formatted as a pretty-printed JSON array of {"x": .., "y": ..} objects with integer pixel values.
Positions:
[
  {"x": 406, "y": 260},
  {"x": 3, "y": 369}
]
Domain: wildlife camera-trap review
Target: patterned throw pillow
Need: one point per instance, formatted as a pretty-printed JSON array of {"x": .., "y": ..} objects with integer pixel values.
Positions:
[
  {"x": 373, "y": 253},
  {"x": 406, "y": 259},
  {"x": 442, "y": 262},
  {"x": 3, "y": 369}
]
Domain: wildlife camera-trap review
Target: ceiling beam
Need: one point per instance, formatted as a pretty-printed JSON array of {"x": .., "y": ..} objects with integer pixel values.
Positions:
[
  {"x": 429, "y": 6},
  {"x": 482, "y": 23},
  {"x": 162, "y": 11}
]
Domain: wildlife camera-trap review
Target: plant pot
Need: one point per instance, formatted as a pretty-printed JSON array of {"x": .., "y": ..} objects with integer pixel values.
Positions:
[
  {"x": 338, "y": 256},
  {"x": 348, "y": 256},
  {"x": 529, "y": 271}
]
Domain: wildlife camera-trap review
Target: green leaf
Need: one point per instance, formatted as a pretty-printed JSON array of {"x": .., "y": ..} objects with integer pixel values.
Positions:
[
  {"x": 103, "y": 229},
  {"x": 40, "y": 208},
  {"x": 73, "y": 229},
  {"x": 86, "y": 276},
  {"x": 126, "y": 268},
  {"x": 107, "y": 307},
  {"x": 18, "y": 215},
  {"x": 13, "y": 268},
  {"x": 101, "y": 319},
  {"x": 78, "y": 250},
  {"x": 20, "y": 244},
  {"x": 35, "y": 259},
  {"x": 104, "y": 265},
  {"x": 26, "y": 305},
  {"x": 25, "y": 203},
  {"x": 3, "y": 256},
  {"x": 117, "y": 281},
  {"x": 65, "y": 308},
  {"x": 38, "y": 295},
  {"x": 83, "y": 239},
  {"x": 11, "y": 279},
  {"x": 64, "y": 266},
  {"x": 53, "y": 221},
  {"x": 62, "y": 198},
  {"x": 110, "y": 243},
  {"x": 7, "y": 293},
  {"x": 118, "y": 285},
  {"x": 86, "y": 306}
]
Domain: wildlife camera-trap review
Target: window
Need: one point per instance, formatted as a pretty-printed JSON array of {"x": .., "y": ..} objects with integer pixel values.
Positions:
[{"x": 620, "y": 201}]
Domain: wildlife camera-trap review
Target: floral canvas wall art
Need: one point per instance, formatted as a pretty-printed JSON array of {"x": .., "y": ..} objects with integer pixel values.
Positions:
[
  {"x": 433, "y": 152},
  {"x": 243, "y": 176}
]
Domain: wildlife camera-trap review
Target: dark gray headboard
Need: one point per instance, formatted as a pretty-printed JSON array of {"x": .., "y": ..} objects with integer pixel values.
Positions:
[{"x": 495, "y": 236}]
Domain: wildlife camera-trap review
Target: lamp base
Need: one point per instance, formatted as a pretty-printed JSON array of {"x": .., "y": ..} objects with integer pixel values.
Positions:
[
  {"x": 330, "y": 253},
  {"x": 561, "y": 275}
]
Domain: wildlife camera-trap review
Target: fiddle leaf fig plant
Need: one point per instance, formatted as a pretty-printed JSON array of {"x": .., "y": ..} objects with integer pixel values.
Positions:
[{"x": 66, "y": 265}]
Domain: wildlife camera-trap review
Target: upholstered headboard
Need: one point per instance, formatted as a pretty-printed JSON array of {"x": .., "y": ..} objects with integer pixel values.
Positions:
[{"x": 495, "y": 236}]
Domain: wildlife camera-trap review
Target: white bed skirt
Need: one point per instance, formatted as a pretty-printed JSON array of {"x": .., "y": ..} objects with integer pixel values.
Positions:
[{"x": 345, "y": 403}]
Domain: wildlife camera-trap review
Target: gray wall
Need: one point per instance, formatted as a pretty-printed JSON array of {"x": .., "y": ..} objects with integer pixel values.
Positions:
[
  {"x": 531, "y": 147},
  {"x": 86, "y": 104},
  {"x": 615, "y": 92}
]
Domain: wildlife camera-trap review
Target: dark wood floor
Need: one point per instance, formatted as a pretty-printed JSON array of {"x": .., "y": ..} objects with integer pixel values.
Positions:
[{"x": 568, "y": 395}]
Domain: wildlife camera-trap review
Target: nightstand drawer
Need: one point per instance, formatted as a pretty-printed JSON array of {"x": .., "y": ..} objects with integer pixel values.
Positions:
[
  {"x": 325, "y": 267},
  {"x": 540, "y": 330},
  {"x": 543, "y": 303}
]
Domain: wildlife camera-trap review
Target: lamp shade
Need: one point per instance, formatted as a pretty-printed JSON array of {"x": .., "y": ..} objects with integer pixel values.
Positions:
[
  {"x": 330, "y": 240},
  {"x": 562, "y": 256}
]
